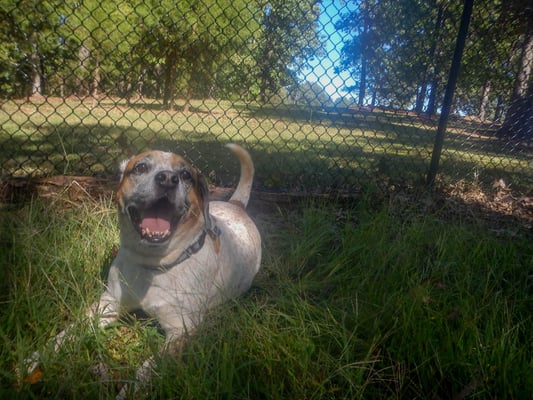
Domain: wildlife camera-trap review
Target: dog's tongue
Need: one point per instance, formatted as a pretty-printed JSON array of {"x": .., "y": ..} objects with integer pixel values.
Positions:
[
  {"x": 157, "y": 218},
  {"x": 155, "y": 224}
]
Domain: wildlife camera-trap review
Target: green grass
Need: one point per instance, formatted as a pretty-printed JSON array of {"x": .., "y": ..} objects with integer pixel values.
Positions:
[
  {"x": 362, "y": 300},
  {"x": 294, "y": 148}
]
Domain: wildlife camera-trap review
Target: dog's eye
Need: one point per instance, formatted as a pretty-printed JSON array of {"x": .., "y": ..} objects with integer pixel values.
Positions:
[
  {"x": 140, "y": 168},
  {"x": 185, "y": 175}
]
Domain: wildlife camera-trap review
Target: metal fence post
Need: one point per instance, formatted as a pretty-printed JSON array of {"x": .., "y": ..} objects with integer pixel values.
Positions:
[{"x": 450, "y": 89}]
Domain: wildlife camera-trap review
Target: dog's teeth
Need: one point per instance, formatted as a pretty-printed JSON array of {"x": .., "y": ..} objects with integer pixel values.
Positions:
[{"x": 158, "y": 235}]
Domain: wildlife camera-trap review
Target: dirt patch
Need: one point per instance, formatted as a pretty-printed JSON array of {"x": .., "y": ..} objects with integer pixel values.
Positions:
[
  {"x": 497, "y": 206},
  {"x": 70, "y": 189}
]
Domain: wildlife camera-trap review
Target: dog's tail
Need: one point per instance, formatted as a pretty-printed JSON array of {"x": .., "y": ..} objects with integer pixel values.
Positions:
[{"x": 242, "y": 192}]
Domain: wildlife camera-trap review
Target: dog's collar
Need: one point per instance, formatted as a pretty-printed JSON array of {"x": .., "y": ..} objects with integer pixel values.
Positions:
[{"x": 196, "y": 246}]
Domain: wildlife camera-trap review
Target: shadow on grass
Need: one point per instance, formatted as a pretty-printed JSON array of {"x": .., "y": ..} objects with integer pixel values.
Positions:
[
  {"x": 403, "y": 128},
  {"x": 377, "y": 147},
  {"x": 281, "y": 165}
]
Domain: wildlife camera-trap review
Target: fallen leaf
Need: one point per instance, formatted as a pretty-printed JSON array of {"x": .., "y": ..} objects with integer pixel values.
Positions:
[{"x": 34, "y": 377}]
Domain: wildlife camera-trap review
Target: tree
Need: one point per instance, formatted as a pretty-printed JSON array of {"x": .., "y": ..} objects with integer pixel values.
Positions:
[
  {"x": 378, "y": 44},
  {"x": 289, "y": 38},
  {"x": 28, "y": 37},
  {"x": 310, "y": 94},
  {"x": 486, "y": 73},
  {"x": 192, "y": 41},
  {"x": 104, "y": 33},
  {"x": 519, "y": 116},
  {"x": 396, "y": 49},
  {"x": 429, "y": 69},
  {"x": 360, "y": 49}
]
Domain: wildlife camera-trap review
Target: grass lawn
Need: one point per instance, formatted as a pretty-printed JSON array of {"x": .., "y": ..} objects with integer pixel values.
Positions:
[
  {"x": 294, "y": 148},
  {"x": 369, "y": 299}
]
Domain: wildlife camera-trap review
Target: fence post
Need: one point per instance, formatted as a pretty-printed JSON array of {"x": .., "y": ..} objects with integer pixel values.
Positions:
[{"x": 450, "y": 89}]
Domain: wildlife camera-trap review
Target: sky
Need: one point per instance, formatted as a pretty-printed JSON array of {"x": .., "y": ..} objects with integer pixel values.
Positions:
[{"x": 323, "y": 68}]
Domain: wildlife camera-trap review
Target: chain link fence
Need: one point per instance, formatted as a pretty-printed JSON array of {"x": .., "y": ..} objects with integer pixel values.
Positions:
[{"x": 328, "y": 95}]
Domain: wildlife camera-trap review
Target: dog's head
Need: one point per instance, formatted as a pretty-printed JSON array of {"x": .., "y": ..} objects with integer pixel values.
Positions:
[{"x": 161, "y": 198}]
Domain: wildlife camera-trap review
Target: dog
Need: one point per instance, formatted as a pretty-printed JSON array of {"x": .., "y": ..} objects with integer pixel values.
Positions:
[{"x": 180, "y": 254}]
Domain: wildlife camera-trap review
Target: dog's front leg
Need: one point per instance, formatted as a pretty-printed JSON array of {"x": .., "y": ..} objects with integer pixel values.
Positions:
[{"x": 105, "y": 311}]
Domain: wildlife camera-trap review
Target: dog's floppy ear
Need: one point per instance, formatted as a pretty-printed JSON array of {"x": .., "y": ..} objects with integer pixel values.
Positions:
[{"x": 122, "y": 167}]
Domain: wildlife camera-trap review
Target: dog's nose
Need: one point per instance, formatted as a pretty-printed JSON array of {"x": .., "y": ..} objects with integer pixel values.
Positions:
[{"x": 167, "y": 179}]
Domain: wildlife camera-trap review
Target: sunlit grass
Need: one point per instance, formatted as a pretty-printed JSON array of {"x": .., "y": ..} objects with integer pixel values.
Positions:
[
  {"x": 366, "y": 300},
  {"x": 83, "y": 137}
]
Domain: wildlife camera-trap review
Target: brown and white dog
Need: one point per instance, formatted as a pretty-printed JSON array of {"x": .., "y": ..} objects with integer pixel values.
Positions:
[{"x": 179, "y": 253}]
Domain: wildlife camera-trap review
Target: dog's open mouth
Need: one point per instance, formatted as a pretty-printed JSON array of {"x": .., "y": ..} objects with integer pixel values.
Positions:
[{"x": 155, "y": 223}]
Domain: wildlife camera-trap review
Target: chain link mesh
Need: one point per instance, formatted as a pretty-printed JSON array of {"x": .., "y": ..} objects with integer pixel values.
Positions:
[{"x": 328, "y": 96}]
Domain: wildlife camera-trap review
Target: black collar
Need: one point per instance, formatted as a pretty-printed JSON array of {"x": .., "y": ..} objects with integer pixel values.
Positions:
[{"x": 194, "y": 247}]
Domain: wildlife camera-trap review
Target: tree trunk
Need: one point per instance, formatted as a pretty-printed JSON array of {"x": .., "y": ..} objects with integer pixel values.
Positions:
[
  {"x": 433, "y": 94},
  {"x": 190, "y": 90},
  {"x": 374, "y": 97},
  {"x": 188, "y": 97},
  {"x": 35, "y": 62},
  {"x": 484, "y": 101},
  {"x": 170, "y": 79},
  {"x": 421, "y": 95},
  {"x": 96, "y": 76},
  {"x": 364, "y": 55},
  {"x": 265, "y": 74},
  {"x": 82, "y": 72},
  {"x": 526, "y": 62},
  {"x": 140, "y": 83},
  {"x": 516, "y": 124},
  {"x": 37, "y": 81},
  {"x": 362, "y": 82},
  {"x": 213, "y": 87},
  {"x": 377, "y": 89},
  {"x": 434, "y": 78},
  {"x": 498, "y": 111}
]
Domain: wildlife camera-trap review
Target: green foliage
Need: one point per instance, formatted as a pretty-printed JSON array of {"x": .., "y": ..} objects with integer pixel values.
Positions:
[
  {"x": 204, "y": 42},
  {"x": 289, "y": 39},
  {"x": 399, "y": 52},
  {"x": 29, "y": 39},
  {"x": 395, "y": 48},
  {"x": 156, "y": 49},
  {"x": 310, "y": 94}
]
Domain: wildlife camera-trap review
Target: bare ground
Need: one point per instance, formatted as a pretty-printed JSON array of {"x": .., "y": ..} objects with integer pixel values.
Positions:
[{"x": 497, "y": 207}]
